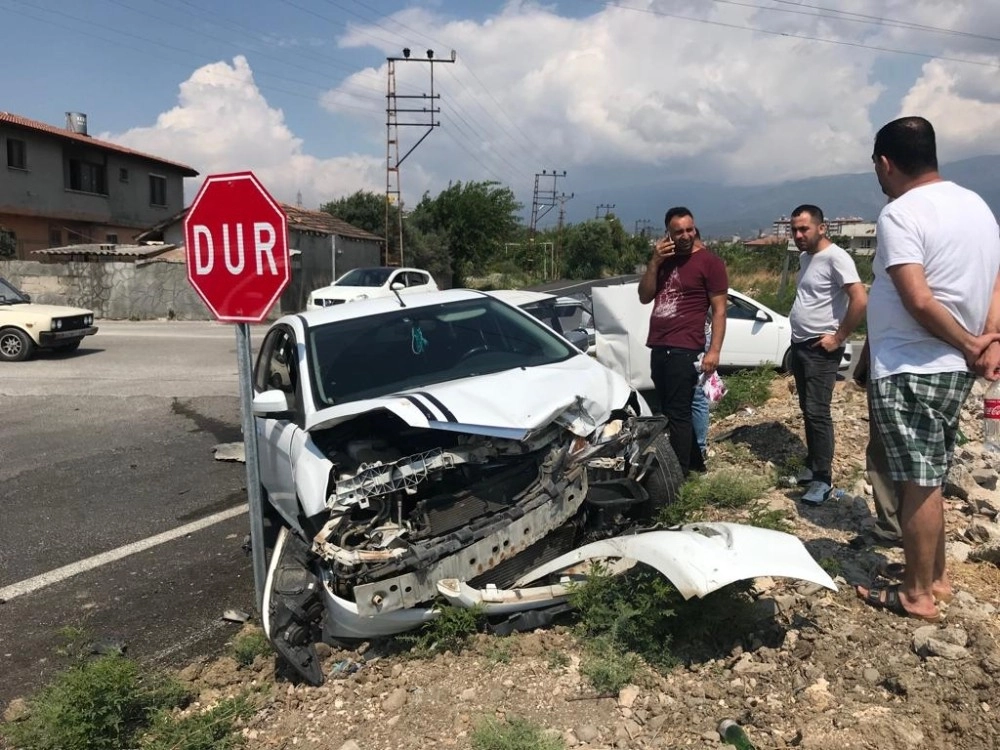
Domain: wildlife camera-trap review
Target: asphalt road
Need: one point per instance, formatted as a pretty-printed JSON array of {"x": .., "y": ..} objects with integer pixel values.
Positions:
[{"x": 108, "y": 447}]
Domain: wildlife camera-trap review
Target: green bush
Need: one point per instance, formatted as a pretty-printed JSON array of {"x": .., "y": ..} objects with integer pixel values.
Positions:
[
  {"x": 208, "y": 730},
  {"x": 248, "y": 646},
  {"x": 449, "y": 631},
  {"x": 768, "y": 518},
  {"x": 608, "y": 668},
  {"x": 513, "y": 734},
  {"x": 102, "y": 704}
]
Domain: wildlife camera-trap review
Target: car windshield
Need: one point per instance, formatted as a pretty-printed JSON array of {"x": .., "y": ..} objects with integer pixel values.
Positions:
[
  {"x": 364, "y": 277},
  {"x": 410, "y": 348},
  {"x": 9, "y": 295}
]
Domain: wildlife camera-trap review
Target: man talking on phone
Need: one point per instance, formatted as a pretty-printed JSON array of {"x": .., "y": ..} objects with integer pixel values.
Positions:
[{"x": 683, "y": 280}]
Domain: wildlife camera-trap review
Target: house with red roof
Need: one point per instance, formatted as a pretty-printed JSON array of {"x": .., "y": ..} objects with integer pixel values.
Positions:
[{"x": 59, "y": 186}]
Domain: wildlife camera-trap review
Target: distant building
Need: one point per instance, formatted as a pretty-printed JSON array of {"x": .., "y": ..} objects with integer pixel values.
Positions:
[
  {"x": 856, "y": 235},
  {"x": 61, "y": 187}
]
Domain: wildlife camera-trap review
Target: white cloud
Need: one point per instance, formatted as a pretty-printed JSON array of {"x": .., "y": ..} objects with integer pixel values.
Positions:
[
  {"x": 222, "y": 123},
  {"x": 618, "y": 92},
  {"x": 963, "y": 105}
]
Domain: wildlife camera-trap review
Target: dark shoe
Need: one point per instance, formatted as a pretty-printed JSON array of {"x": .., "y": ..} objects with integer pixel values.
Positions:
[
  {"x": 868, "y": 539},
  {"x": 887, "y": 598}
]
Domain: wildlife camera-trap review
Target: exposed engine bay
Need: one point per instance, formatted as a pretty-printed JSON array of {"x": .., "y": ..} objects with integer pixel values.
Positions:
[{"x": 402, "y": 508}]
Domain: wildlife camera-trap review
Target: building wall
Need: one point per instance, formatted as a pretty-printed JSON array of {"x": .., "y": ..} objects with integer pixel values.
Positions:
[
  {"x": 312, "y": 267},
  {"x": 40, "y": 190}
]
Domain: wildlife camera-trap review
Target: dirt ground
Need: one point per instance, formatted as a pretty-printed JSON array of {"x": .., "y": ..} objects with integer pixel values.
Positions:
[{"x": 819, "y": 669}]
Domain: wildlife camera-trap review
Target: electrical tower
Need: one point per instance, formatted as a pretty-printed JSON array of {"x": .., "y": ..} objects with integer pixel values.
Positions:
[
  {"x": 557, "y": 252},
  {"x": 543, "y": 197},
  {"x": 420, "y": 117},
  {"x": 644, "y": 224},
  {"x": 606, "y": 206}
]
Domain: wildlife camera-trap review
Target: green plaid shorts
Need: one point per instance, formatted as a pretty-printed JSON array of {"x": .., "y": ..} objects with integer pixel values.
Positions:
[{"x": 917, "y": 418}]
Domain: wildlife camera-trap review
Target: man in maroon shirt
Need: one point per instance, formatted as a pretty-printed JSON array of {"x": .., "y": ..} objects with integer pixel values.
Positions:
[{"x": 683, "y": 280}]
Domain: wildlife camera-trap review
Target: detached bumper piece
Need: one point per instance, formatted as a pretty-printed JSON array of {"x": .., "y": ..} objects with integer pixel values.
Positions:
[{"x": 293, "y": 607}]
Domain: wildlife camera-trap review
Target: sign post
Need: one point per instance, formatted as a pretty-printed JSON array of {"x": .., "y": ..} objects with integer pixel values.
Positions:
[{"x": 236, "y": 247}]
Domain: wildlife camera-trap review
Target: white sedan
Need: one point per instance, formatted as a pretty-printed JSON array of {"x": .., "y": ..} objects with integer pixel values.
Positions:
[
  {"x": 370, "y": 283},
  {"x": 756, "y": 335}
]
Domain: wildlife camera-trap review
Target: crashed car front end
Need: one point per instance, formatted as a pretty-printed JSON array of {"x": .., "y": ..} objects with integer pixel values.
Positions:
[{"x": 454, "y": 449}]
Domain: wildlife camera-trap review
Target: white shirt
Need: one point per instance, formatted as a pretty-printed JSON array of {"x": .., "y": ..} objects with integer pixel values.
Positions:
[
  {"x": 820, "y": 299},
  {"x": 952, "y": 233}
]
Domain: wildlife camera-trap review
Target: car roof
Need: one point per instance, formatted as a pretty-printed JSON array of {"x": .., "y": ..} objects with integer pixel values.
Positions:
[
  {"x": 518, "y": 297},
  {"x": 376, "y": 306}
]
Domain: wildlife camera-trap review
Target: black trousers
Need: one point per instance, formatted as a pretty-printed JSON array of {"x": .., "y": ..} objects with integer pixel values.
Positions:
[
  {"x": 815, "y": 372},
  {"x": 675, "y": 379}
]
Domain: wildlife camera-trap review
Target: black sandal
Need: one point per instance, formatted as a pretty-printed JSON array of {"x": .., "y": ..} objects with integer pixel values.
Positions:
[{"x": 887, "y": 598}]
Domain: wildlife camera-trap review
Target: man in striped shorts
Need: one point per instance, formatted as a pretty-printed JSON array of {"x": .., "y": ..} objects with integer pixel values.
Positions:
[{"x": 935, "y": 294}]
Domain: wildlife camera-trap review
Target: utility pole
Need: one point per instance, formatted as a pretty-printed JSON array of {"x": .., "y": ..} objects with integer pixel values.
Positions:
[
  {"x": 543, "y": 197},
  {"x": 557, "y": 251},
  {"x": 644, "y": 223},
  {"x": 393, "y": 190},
  {"x": 606, "y": 206}
]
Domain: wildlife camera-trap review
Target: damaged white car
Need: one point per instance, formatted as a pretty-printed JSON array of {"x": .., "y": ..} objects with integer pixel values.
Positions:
[{"x": 450, "y": 445}]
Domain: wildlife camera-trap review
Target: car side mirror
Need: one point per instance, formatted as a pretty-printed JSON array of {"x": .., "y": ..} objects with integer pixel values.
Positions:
[
  {"x": 27, "y": 297},
  {"x": 270, "y": 405},
  {"x": 762, "y": 316},
  {"x": 578, "y": 338},
  {"x": 397, "y": 285}
]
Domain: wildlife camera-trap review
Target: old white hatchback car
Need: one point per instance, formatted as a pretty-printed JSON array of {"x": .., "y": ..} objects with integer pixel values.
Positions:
[
  {"x": 450, "y": 447},
  {"x": 26, "y": 326},
  {"x": 369, "y": 283}
]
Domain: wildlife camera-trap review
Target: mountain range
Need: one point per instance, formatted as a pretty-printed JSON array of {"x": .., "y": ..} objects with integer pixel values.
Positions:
[{"x": 749, "y": 211}]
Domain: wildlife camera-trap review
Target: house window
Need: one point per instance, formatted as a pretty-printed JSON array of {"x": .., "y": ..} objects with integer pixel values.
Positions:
[
  {"x": 157, "y": 190},
  {"x": 17, "y": 154},
  {"x": 55, "y": 237},
  {"x": 122, "y": 174},
  {"x": 111, "y": 239},
  {"x": 87, "y": 177},
  {"x": 8, "y": 243}
]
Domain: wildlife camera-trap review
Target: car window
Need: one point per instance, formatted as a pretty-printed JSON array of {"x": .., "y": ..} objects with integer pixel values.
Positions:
[
  {"x": 364, "y": 277},
  {"x": 416, "y": 279},
  {"x": 277, "y": 368},
  {"x": 738, "y": 309},
  {"x": 415, "y": 347}
]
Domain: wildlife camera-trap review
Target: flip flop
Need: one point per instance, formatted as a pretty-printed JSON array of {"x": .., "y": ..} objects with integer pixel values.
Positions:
[
  {"x": 887, "y": 598},
  {"x": 896, "y": 571}
]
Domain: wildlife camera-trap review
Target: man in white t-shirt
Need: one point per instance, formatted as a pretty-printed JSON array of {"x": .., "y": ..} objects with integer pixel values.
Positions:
[
  {"x": 935, "y": 293},
  {"x": 829, "y": 304}
]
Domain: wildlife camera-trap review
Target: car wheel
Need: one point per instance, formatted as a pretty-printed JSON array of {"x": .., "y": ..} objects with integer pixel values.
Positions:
[
  {"x": 15, "y": 345},
  {"x": 786, "y": 361},
  {"x": 70, "y": 346},
  {"x": 663, "y": 480}
]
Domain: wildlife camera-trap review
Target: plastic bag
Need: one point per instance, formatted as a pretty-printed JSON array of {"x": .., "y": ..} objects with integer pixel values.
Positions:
[{"x": 713, "y": 386}]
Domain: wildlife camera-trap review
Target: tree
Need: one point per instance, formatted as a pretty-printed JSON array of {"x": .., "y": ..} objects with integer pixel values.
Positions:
[
  {"x": 474, "y": 219},
  {"x": 588, "y": 250},
  {"x": 366, "y": 210}
]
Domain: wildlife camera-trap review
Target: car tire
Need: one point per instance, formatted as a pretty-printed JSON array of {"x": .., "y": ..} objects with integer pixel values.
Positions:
[
  {"x": 786, "y": 361},
  {"x": 663, "y": 480},
  {"x": 15, "y": 345}
]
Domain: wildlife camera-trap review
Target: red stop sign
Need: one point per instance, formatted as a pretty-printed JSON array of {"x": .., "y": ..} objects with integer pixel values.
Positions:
[{"x": 236, "y": 245}]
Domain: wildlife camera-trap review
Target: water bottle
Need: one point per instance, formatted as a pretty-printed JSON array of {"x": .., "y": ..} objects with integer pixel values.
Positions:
[
  {"x": 991, "y": 418},
  {"x": 733, "y": 734}
]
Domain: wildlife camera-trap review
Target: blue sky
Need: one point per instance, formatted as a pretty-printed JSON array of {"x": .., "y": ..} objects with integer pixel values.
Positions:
[{"x": 728, "y": 91}]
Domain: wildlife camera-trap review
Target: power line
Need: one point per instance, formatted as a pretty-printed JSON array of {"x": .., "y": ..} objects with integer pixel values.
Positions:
[{"x": 793, "y": 35}]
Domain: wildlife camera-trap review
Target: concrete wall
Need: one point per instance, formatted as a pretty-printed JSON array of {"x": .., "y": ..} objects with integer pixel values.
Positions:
[
  {"x": 313, "y": 268},
  {"x": 112, "y": 290}
]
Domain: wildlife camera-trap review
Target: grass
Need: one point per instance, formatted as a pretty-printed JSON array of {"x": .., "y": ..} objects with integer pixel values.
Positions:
[
  {"x": 248, "y": 645},
  {"x": 768, "y": 518},
  {"x": 208, "y": 730},
  {"x": 513, "y": 734},
  {"x": 100, "y": 704},
  {"x": 499, "y": 651},
  {"x": 607, "y": 667},
  {"x": 557, "y": 660},
  {"x": 745, "y": 388},
  {"x": 451, "y": 631}
]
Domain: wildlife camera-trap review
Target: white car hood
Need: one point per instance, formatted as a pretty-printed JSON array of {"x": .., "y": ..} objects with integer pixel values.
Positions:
[
  {"x": 44, "y": 311},
  {"x": 507, "y": 404}
]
